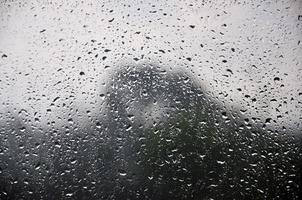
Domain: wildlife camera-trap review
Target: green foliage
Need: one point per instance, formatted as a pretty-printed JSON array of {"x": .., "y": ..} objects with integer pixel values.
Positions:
[{"x": 194, "y": 157}]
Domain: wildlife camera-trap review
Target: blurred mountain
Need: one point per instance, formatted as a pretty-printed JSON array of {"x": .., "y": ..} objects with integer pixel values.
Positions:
[{"x": 160, "y": 137}]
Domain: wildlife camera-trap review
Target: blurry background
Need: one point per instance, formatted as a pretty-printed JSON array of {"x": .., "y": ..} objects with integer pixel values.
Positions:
[{"x": 74, "y": 82}]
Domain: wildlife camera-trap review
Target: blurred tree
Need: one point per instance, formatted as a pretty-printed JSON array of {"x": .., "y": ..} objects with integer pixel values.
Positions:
[{"x": 181, "y": 144}]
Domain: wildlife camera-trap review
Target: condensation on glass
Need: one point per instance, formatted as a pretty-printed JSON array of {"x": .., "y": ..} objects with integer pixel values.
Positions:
[{"x": 150, "y": 99}]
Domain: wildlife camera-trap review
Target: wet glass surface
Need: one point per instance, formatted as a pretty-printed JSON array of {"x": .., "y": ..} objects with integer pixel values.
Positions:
[{"x": 150, "y": 99}]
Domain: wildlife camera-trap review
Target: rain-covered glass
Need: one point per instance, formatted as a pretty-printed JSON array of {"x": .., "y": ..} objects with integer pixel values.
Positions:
[{"x": 150, "y": 100}]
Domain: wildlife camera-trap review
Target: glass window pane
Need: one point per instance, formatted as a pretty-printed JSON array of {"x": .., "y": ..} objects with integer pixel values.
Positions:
[{"x": 150, "y": 99}]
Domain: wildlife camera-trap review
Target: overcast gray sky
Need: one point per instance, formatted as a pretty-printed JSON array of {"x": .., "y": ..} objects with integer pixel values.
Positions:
[{"x": 251, "y": 45}]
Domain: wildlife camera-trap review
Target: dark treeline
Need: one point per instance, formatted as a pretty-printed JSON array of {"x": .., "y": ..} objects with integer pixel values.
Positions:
[{"x": 160, "y": 137}]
